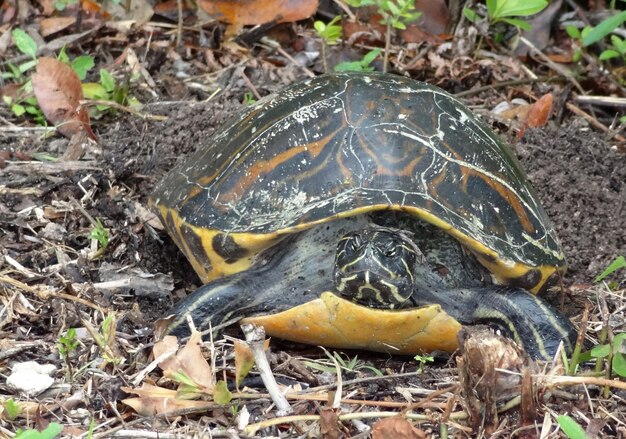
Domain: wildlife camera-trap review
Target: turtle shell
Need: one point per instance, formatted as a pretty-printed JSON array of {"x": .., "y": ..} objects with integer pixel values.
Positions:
[{"x": 348, "y": 144}]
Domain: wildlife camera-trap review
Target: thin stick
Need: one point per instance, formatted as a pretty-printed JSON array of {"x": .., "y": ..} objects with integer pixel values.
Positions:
[
  {"x": 255, "y": 336},
  {"x": 593, "y": 121}
]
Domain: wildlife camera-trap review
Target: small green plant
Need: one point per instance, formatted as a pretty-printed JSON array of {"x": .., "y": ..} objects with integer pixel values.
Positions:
[
  {"x": 349, "y": 364},
  {"x": 396, "y": 14},
  {"x": 617, "y": 264},
  {"x": 362, "y": 65},
  {"x": 100, "y": 234},
  {"x": 67, "y": 343},
  {"x": 616, "y": 50},
  {"x": 615, "y": 353},
  {"x": 604, "y": 28},
  {"x": 571, "y": 428},
  {"x": 81, "y": 64},
  {"x": 249, "y": 99},
  {"x": 53, "y": 430},
  {"x": 11, "y": 409},
  {"x": 107, "y": 89},
  {"x": 578, "y": 35},
  {"x": 504, "y": 11},
  {"x": 329, "y": 33},
  {"x": 422, "y": 360}
]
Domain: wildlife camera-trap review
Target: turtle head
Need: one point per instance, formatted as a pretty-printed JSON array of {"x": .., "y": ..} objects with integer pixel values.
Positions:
[{"x": 376, "y": 267}]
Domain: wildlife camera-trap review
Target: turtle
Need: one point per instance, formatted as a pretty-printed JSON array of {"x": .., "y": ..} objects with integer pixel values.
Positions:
[{"x": 368, "y": 211}]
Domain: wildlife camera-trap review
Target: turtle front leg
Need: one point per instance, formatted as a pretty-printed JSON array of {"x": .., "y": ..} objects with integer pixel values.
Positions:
[{"x": 520, "y": 315}]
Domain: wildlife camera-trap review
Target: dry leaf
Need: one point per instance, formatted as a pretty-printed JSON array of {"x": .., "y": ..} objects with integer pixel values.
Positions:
[
  {"x": 160, "y": 406},
  {"x": 49, "y": 26},
  {"x": 59, "y": 92},
  {"x": 396, "y": 428},
  {"x": 538, "y": 114},
  {"x": 329, "y": 424},
  {"x": 244, "y": 361},
  {"x": 150, "y": 391},
  {"x": 189, "y": 360},
  {"x": 246, "y": 12}
]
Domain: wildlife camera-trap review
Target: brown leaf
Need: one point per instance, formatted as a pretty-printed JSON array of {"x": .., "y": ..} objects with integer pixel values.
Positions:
[
  {"x": 150, "y": 391},
  {"x": 53, "y": 25},
  {"x": 244, "y": 360},
  {"x": 396, "y": 428},
  {"x": 329, "y": 423},
  {"x": 189, "y": 360},
  {"x": 59, "y": 92},
  {"x": 538, "y": 114},
  {"x": 158, "y": 406},
  {"x": 246, "y": 12}
]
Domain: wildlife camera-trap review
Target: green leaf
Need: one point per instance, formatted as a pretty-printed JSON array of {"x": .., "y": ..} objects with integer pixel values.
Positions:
[
  {"x": 619, "y": 343},
  {"x": 11, "y": 409},
  {"x": 24, "y": 43},
  {"x": 63, "y": 56},
  {"x": 601, "y": 351},
  {"x": 573, "y": 32},
  {"x": 27, "y": 65},
  {"x": 518, "y": 23},
  {"x": 607, "y": 26},
  {"x": 107, "y": 81},
  {"x": 517, "y": 8},
  {"x": 94, "y": 90},
  {"x": 320, "y": 367},
  {"x": 619, "y": 365},
  {"x": 18, "y": 109},
  {"x": 491, "y": 7},
  {"x": 393, "y": 8},
  {"x": 52, "y": 430},
  {"x": 371, "y": 56},
  {"x": 398, "y": 25},
  {"x": 221, "y": 394},
  {"x": 470, "y": 15},
  {"x": 570, "y": 427},
  {"x": 82, "y": 65},
  {"x": 608, "y": 54},
  {"x": 618, "y": 263}
]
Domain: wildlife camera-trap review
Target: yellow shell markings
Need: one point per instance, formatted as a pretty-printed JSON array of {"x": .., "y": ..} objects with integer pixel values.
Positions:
[
  {"x": 336, "y": 322},
  {"x": 219, "y": 267},
  {"x": 502, "y": 270}
]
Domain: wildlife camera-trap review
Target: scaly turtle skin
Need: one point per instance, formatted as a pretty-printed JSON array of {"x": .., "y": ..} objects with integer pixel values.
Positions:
[{"x": 260, "y": 209}]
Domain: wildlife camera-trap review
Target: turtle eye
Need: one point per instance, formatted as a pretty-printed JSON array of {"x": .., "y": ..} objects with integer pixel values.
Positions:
[
  {"x": 355, "y": 243},
  {"x": 392, "y": 249}
]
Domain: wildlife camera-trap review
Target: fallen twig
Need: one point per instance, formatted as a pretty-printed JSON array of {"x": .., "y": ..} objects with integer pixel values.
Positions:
[{"x": 255, "y": 336}]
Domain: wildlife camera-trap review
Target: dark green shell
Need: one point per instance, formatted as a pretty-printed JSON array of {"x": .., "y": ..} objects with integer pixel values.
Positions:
[{"x": 350, "y": 143}]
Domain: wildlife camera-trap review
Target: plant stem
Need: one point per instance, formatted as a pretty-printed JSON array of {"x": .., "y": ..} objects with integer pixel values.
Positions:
[
  {"x": 387, "y": 46},
  {"x": 324, "y": 62}
]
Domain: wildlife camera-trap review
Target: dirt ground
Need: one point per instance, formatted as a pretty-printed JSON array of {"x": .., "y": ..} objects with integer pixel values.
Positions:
[{"x": 579, "y": 176}]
